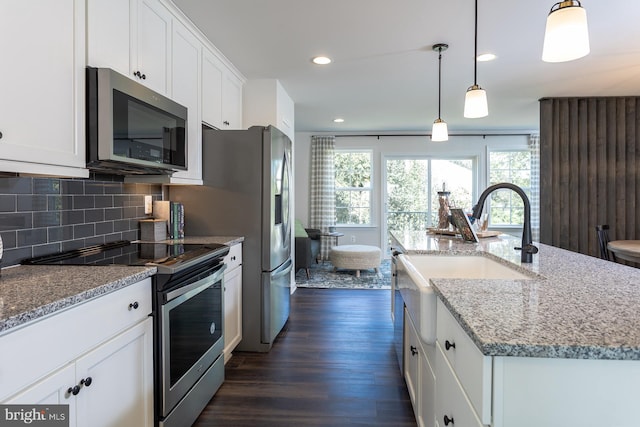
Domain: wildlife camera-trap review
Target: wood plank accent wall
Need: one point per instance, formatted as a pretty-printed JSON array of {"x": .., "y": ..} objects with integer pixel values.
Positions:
[{"x": 589, "y": 170}]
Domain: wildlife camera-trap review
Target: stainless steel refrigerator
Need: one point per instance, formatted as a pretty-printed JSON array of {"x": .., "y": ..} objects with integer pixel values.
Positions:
[{"x": 247, "y": 176}]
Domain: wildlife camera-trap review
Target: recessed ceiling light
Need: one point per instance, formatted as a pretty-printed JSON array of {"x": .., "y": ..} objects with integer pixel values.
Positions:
[
  {"x": 484, "y": 57},
  {"x": 321, "y": 60},
  {"x": 338, "y": 120}
]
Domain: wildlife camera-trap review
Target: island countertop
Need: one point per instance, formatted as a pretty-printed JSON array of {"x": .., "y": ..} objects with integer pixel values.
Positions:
[{"x": 576, "y": 306}]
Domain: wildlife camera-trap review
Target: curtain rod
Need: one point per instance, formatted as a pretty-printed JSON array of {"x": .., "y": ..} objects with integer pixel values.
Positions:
[{"x": 483, "y": 135}]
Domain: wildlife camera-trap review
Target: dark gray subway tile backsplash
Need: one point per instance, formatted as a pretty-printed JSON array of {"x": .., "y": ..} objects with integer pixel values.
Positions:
[{"x": 39, "y": 216}]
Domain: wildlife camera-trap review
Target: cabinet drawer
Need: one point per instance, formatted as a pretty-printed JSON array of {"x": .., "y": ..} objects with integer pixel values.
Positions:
[
  {"x": 37, "y": 349},
  {"x": 234, "y": 257},
  {"x": 451, "y": 400},
  {"x": 471, "y": 367}
]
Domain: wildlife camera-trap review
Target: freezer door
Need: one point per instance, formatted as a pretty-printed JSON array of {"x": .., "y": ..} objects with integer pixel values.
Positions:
[
  {"x": 276, "y": 294},
  {"x": 277, "y": 201}
]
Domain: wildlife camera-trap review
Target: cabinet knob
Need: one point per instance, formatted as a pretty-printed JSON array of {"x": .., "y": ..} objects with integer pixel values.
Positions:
[
  {"x": 448, "y": 420},
  {"x": 134, "y": 305},
  {"x": 0, "y": 135},
  {"x": 73, "y": 390},
  {"x": 449, "y": 345},
  {"x": 233, "y": 258},
  {"x": 86, "y": 381},
  {"x": 226, "y": 123},
  {"x": 414, "y": 350},
  {"x": 139, "y": 75}
]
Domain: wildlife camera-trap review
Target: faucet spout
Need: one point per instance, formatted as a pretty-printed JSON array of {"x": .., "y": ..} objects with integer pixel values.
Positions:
[{"x": 527, "y": 248}]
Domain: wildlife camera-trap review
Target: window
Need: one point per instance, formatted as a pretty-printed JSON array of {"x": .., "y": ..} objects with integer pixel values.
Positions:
[
  {"x": 412, "y": 186},
  {"x": 353, "y": 187},
  {"x": 505, "y": 206}
]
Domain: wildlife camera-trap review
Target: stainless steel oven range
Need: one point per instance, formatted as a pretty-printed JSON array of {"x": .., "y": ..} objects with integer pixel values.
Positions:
[{"x": 188, "y": 314}]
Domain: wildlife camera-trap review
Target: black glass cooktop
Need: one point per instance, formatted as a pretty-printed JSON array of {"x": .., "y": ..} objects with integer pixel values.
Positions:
[{"x": 167, "y": 257}]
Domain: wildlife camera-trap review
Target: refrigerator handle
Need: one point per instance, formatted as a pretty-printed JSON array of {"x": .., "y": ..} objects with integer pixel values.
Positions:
[{"x": 285, "y": 268}]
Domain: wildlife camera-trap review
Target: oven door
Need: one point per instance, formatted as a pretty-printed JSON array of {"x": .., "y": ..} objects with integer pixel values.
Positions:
[{"x": 191, "y": 335}]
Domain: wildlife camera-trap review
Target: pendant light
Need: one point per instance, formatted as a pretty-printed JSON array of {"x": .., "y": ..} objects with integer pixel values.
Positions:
[
  {"x": 439, "y": 131},
  {"x": 475, "y": 101},
  {"x": 566, "y": 36}
]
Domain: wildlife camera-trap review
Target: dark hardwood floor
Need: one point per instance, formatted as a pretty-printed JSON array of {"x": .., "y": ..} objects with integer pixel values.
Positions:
[{"x": 333, "y": 365}]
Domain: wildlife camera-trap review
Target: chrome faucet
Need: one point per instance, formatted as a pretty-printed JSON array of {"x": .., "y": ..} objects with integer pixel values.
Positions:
[{"x": 527, "y": 248}]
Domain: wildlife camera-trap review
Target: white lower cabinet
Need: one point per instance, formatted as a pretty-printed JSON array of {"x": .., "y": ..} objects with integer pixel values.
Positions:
[
  {"x": 103, "y": 361},
  {"x": 232, "y": 300},
  {"x": 418, "y": 374}
]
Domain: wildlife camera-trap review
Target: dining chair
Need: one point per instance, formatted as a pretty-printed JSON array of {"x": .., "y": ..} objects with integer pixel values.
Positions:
[{"x": 603, "y": 239}]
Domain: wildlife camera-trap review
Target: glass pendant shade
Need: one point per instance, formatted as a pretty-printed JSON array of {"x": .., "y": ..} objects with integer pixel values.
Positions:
[
  {"x": 566, "y": 36},
  {"x": 475, "y": 103},
  {"x": 439, "y": 131}
]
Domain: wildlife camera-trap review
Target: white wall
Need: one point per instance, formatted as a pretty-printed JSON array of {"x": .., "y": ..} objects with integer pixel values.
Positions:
[{"x": 384, "y": 146}]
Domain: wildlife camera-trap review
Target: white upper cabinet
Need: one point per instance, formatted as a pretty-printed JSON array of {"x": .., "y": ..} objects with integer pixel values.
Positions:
[
  {"x": 265, "y": 102},
  {"x": 185, "y": 83},
  {"x": 42, "y": 107},
  {"x": 132, "y": 37},
  {"x": 152, "y": 47},
  {"x": 221, "y": 93}
]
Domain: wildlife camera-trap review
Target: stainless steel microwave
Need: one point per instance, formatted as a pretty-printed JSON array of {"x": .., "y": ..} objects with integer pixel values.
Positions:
[{"x": 131, "y": 129}]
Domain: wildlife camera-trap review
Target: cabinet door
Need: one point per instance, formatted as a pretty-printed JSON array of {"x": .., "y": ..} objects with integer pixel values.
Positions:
[
  {"x": 51, "y": 391},
  {"x": 411, "y": 360},
  {"x": 42, "y": 104},
  {"x": 212, "y": 75},
  {"x": 232, "y": 311},
  {"x": 152, "y": 47},
  {"x": 109, "y": 29},
  {"x": 231, "y": 102},
  {"x": 121, "y": 388},
  {"x": 185, "y": 84}
]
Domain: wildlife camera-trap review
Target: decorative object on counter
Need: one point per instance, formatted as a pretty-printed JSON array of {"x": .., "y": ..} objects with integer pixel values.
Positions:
[
  {"x": 527, "y": 248},
  {"x": 461, "y": 220},
  {"x": 153, "y": 230},
  {"x": 443, "y": 208},
  {"x": 173, "y": 213}
]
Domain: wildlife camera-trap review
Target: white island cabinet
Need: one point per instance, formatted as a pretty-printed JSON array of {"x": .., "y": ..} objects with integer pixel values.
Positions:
[
  {"x": 558, "y": 346},
  {"x": 42, "y": 107},
  {"x": 232, "y": 300},
  {"x": 96, "y": 357}
]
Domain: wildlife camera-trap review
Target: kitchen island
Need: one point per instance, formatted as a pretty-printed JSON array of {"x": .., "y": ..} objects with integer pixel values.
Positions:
[{"x": 559, "y": 348}]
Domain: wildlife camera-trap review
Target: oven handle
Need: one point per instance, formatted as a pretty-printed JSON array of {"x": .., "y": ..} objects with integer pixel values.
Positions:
[{"x": 193, "y": 288}]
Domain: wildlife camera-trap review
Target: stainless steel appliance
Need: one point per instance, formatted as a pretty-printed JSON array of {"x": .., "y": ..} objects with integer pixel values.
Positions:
[
  {"x": 247, "y": 176},
  {"x": 188, "y": 318},
  {"x": 132, "y": 129}
]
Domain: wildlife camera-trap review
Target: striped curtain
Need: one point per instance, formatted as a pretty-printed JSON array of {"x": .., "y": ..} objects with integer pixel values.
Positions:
[
  {"x": 534, "y": 149},
  {"x": 323, "y": 201}
]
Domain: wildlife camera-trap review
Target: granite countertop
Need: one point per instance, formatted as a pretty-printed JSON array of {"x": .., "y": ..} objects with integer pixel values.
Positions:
[
  {"x": 575, "y": 306},
  {"x": 30, "y": 292}
]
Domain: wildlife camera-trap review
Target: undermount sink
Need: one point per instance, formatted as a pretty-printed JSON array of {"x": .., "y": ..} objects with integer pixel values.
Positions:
[{"x": 415, "y": 270}]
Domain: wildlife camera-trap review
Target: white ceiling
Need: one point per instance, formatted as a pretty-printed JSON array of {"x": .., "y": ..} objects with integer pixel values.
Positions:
[{"x": 384, "y": 74}]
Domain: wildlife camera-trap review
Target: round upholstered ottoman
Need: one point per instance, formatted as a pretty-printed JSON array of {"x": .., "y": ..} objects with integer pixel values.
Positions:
[{"x": 355, "y": 257}]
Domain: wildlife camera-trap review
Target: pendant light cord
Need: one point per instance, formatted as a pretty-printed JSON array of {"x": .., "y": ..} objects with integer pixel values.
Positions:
[
  {"x": 475, "y": 49},
  {"x": 439, "y": 79}
]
